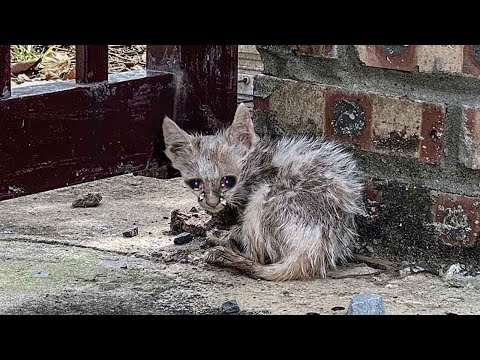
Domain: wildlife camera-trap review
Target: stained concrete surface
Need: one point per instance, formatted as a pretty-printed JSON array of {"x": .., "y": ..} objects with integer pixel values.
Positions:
[{"x": 56, "y": 259}]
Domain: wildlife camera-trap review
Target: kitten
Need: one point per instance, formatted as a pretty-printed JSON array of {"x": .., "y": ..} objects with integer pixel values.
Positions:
[{"x": 297, "y": 197}]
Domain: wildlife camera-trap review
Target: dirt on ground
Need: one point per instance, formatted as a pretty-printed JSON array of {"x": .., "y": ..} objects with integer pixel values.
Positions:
[{"x": 60, "y": 259}]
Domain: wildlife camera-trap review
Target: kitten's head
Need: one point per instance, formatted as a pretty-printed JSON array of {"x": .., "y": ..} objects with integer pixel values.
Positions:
[{"x": 210, "y": 164}]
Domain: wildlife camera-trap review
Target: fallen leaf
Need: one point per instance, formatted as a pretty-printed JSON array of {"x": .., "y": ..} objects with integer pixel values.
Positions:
[
  {"x": 54, "y": 65},
  {"x": 23, "y": 66},
  {"x": 70, "y": 75}
]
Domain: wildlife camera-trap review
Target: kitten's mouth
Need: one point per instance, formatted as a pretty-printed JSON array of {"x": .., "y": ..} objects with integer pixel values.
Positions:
[
  {"x": 220, "y": 203},
  {"x": 213, "y": 209}
]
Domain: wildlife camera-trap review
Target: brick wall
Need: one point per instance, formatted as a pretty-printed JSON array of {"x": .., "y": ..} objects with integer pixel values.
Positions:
[{"x": 411, "y": 115}]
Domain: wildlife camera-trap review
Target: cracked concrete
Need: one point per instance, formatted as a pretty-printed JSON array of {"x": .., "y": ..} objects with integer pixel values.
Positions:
[{"x": 56, "y": 259}]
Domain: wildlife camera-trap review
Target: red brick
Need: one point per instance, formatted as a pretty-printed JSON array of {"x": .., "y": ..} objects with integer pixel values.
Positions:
[
  {"x": 471, "y": 66},
  {"x": 354, "y": 125},
  {"x": 453, "y": 59},
  {"x": 470, "y": 144},
  {"x": 396, "y": 125},
  {"x": 432, "y": 133},
  {"x": 299, "y": 107},
  {"x": 380, "y": 56},
  {"x": 440, "y": 58},
  {"x": 457, "y": 218},
  {"x": 384, "y": 124}
]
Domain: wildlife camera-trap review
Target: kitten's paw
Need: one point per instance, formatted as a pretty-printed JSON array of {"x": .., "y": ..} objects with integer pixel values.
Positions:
[
  {"x": 217, "y": 237},
  {"x": 219, "y": 255}
]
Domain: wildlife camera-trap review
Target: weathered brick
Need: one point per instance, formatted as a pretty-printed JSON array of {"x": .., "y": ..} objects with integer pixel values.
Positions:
[
  {"x": 452, "y": 59},
  {"x": 397, "y": 57},
  {"x": 348, "y": 117},
  {"x": 396, "y": 124},
  {"x": 456, "y": 218},
  {"x": 471, "y": 60},
  {"x": 386, "y": 124},
  {"x": 432, "y": 133},
  {"x": 469, "y": 154},
  {"x": 440, "y": 58},
  {"x": 370, "y": 121},
  {"x": 298, "y": 107},
  {"x": 409, "y": 222},
  {"x": 329, "y": 51}
]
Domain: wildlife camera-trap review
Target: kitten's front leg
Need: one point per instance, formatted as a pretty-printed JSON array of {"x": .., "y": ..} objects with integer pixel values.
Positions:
[{"x": 224, "y": 238}]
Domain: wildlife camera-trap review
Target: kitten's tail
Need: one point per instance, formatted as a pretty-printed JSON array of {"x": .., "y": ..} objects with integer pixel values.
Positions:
[{"x": 295, "y": 267}]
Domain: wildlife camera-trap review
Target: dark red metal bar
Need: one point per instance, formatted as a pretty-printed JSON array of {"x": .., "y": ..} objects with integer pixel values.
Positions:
[
  {"x": 91, "y": 63},
  {"x": 206, "y": 82},
  {"x": 5, "y": 89},
  {"x": 62, "y": 134}
]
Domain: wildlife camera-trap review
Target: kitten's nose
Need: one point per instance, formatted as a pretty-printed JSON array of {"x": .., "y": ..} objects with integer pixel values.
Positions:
[{"x": 212, "y": 201}]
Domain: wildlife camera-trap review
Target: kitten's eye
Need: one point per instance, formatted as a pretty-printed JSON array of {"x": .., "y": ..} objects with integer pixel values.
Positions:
[
  {"x": 229, "y": 182},
  {"x": 194, "y": 184}
]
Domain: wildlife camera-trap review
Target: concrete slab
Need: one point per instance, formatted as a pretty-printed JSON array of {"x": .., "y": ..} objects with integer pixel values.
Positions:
[{"x": 56, "y": 259}]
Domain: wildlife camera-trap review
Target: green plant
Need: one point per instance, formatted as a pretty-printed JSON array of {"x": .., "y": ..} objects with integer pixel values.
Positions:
[{"x": 28, "y": 52}]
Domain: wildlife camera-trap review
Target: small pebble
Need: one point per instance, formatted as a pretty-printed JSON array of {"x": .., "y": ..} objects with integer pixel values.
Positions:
[
  {"x": 40, "y": 275},
  {"x": 182, "y": 238},
  {"x": 131, "y": 232},
  {"x": 230, "y": 307},
  {"x": 87, "y": 200}
]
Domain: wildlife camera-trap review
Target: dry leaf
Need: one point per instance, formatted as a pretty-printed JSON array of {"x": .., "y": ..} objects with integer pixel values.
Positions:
[
  {"x": 54, "y": 65},
  {"x": 23, "y": 66},
  {"x": 71, "y": 74}
]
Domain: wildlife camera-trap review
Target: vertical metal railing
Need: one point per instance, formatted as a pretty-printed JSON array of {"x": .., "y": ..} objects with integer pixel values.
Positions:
[
  {"x": 5, "y": 88},
  {"x": 91, "y": 63}
]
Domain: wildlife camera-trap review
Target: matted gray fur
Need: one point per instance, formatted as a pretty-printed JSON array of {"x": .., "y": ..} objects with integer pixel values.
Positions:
[{"x": 297, "y": 197}]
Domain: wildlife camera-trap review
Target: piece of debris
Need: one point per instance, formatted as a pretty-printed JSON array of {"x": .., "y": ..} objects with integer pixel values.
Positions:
[
  {"x": 197, "y": 223},
  {"x": 131, "y": 232},
  {"x": 366, "y": 304},
  {"x": 230, "y": 307},
  {"x": 182, "y": 238},
  {"x": 338, "y": 308},
  {"x": 410, "y": 270},
  {"x": 312, "y": 313},
  {"x": 457, "y": 275},
  {"x": 22, "y": 66},
  {"x": 87, "y": 200}
]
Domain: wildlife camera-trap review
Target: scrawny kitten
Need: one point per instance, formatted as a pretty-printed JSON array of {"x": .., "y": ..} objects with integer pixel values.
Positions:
[{"x": 297, "y": 197}]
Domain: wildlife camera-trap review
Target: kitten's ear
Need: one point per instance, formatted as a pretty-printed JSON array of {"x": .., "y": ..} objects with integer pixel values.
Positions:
[
  {"x": 241, "y": 131},
  {"x": 177, "y": 142}
]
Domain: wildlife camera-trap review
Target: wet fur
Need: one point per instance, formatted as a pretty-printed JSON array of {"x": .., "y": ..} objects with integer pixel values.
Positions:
[{"x": 297, "y": 197}]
